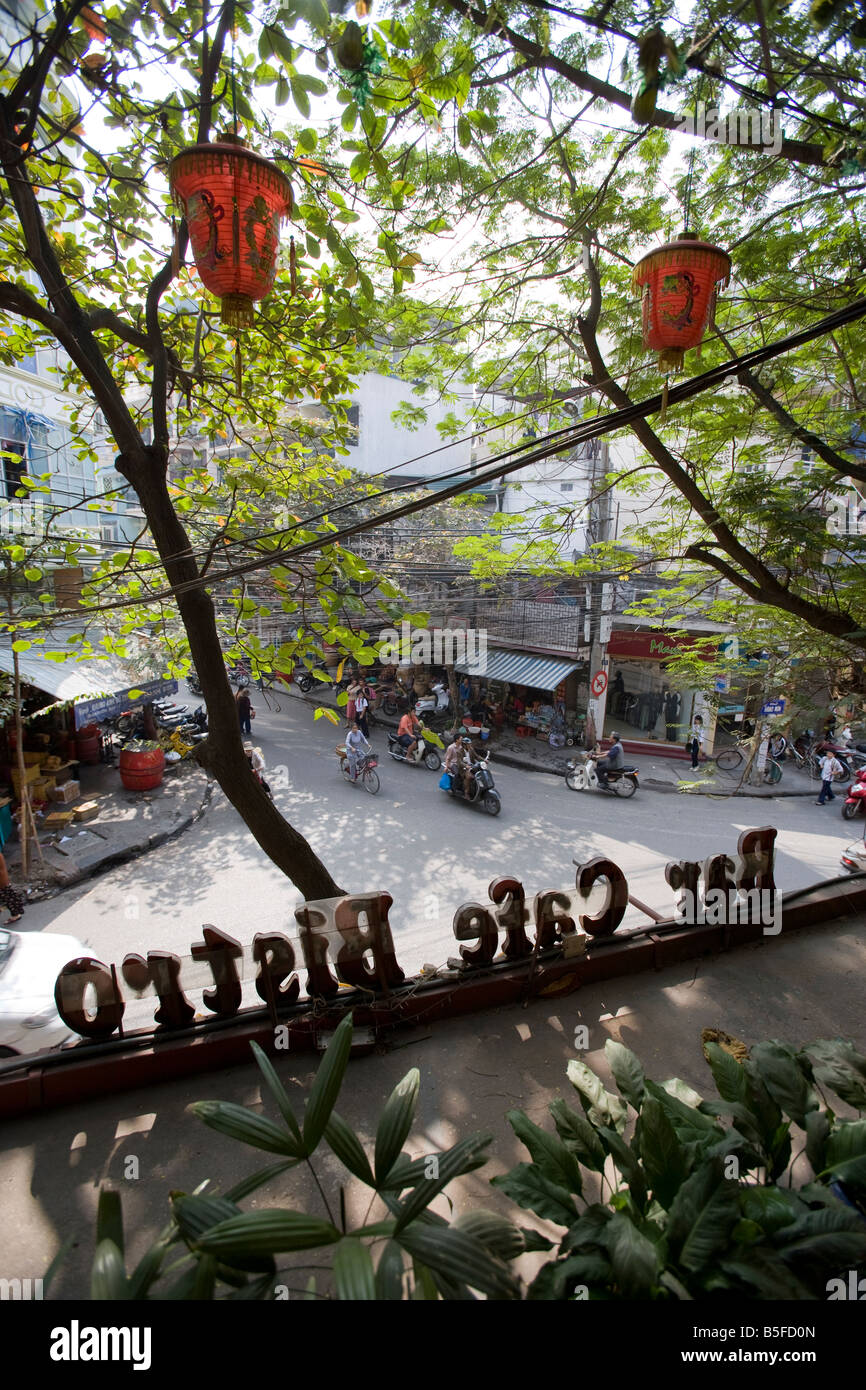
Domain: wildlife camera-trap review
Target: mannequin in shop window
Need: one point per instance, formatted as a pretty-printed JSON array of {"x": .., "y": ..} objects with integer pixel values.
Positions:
[{"x": 673, "y": 704}]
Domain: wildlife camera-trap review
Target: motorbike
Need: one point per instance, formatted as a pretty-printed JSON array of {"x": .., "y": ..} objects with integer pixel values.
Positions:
[
  {"x": 398, "y": 699},
  {"x": 367, "y": 776},
  {"x": 854, "y": 858},
  {"x": 582, "y": 776},
  {"x": 437, "y": 702},
  {"x": 483, "y": 792},
  {"x": 855, "y": 799},
  {"x": 194, "y": 684},
  {"x": 423, "y": 753}
]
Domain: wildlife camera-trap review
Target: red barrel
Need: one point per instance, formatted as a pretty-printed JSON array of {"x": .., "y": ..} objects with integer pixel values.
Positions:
[
  {"x": 141, "y": 769},
  {"x": 87, "y": 744}
]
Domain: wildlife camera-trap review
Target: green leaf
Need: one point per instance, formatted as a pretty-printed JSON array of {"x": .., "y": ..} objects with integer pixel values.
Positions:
[
  {"x": 348, "y": 1148},
  {"x": 109, "y": 1218},
  {"x": 702, "y": 1215},
  {"x": 21, "y": 645},
  {"x": 300, "y": 97},
  {"x": 578, "y": 1135},
  {"x": 548, "y": 1152},
  {"x": 464, "y": 131},
  {"x": 662, "y": 1154},
  {"x": 530, "y": 1189},
  {"x": 268, "y": 1233},
  {"x": 389, "y": 1273},
  {"x": 359, "y": 166},
  {"x": 278, "y": 1091},
  {"x": 33, "y": 574},
  {"x": 195, "y": 1215},
  {"x": 256, "y": 1180},
  {"x": 464, "y": 1157},
  {"x": 627, "y": 1072},
  {"x": 326, "y": 1087},
  {"x": 634, "y": 1259},
  {"x": 602, "y": 1107},
  {"x": 237, "y": 1122},
  {"x": 353, "y": 1271},
  {"x": 729, "y": 1076},
  {"x": 395, "y": 1123},
  {"x": 108, "y": 1276},
  {"x": 349, "y": 118},
  {"x": 308, "y": 139},
  {"x": 459, "y": 1256},
  {"x": 837, "y": 1065},
  {"x": 496, "y": 1233},
  {"x": 784, "y": 1079},
  {"x": 845, "y": 1154}
]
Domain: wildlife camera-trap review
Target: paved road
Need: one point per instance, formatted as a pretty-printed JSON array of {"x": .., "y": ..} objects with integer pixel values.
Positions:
[{"x": 430, "y": 853}]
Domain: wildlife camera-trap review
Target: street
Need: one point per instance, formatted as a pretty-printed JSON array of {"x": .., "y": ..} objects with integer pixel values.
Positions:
[{"x": 430, "y": 853}]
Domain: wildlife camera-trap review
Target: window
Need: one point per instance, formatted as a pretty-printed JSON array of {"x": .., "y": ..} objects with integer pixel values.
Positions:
[
  {"x": 566, "y": 487},
  {"x": 12, "y": 467}
]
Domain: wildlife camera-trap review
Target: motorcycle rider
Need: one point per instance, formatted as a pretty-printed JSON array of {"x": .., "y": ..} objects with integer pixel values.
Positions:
[
  {"x": 613, "y": 760},
  {"x": 408, "y": 733},
  {"x": 468, "y": 762}
]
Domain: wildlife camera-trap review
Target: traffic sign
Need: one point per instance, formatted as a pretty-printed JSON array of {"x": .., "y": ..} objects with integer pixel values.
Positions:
[
  {"x": 599, "y": 683},
  {"x": 773, "y": 707}
]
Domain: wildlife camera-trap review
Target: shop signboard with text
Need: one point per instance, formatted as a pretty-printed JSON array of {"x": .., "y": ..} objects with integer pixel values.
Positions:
[{"x": 648, "y": 646}]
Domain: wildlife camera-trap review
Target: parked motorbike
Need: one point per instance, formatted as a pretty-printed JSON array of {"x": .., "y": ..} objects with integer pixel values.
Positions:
[
  {"x": 582, "y": 776},
  {"x": 398, "y": 700},
  {"x": 424, "y": 752},
  {"x": 437, "y": 702},
  {"x": 194, "y": 684},
  {"x": 855, "y": 799},
  {"x": 854, "y": 858},
  {"x": 482, "y": 791}
]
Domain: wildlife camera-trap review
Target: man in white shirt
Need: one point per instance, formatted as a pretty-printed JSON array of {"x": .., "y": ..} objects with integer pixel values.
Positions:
[{"x": 830, "y": 767}]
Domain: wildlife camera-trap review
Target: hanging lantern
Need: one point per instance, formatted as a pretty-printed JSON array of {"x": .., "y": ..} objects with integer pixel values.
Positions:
[
  {"x": 233, "y": 201},
  {"x": 679, "y": 283}
]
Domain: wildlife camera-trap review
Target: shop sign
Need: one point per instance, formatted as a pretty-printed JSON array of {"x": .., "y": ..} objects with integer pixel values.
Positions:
[
  {"x": 348, "y": 940},
  {"x": 647, "y": 646},
  {"x": 110, "y": 706},
  {"x": 732, "y": 709}
]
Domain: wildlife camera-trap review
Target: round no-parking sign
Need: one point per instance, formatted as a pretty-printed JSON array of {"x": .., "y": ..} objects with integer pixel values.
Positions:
[{"x": 599, "y": 683}]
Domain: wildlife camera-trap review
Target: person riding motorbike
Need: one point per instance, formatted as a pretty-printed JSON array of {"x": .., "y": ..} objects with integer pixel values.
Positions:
[
  {"x": 468, "y": 763},
  {"x": 408, "y": 732},
  {"x": 612, "y": 761}
]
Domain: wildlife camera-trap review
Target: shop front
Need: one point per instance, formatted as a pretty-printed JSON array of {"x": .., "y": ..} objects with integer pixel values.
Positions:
[
  {"x": 647, "y": 703},
  {"x": 537, "y": 695}
]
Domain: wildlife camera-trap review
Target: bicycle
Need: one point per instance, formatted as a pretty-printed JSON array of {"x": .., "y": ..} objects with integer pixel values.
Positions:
[
  {"x": 729, "y": 759},
  {"x": 366, "y": 772}
]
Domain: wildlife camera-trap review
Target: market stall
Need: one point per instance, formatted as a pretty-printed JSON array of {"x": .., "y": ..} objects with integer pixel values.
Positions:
[{"x": 539, "y": 696}]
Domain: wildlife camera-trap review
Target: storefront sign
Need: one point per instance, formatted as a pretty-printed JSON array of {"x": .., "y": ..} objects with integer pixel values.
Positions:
[
  {"x": 648, "y": 646},
  {"x": 110, "y": 706},
  {"x": 348, "y": 941}
]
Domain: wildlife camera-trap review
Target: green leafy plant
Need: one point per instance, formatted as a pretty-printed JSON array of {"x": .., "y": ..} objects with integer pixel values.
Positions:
[
  {"x": 701, "y": 1199},
  {"x": 698, "y": 1202}
]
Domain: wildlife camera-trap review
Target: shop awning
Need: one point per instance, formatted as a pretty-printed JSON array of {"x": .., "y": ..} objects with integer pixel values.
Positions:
[
  {"x": 100, "y": 689},
  {"x": 539, "y": 672}
]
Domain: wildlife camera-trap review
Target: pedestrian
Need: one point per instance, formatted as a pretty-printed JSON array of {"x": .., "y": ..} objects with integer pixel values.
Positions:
[
  {"x": 695, "y": 743},
  {"x": 9, "y": 896},
  {"x": 245, "y": 710},
  {"x": 362, "y": 703},
  {"x": 830, "y": 768},
  {"x": 257, "y": 763},
  {"x": 352, "y": 690}
]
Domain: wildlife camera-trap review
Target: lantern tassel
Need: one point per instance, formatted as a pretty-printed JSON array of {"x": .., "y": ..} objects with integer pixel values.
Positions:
[
  {"x": 293, "y": 271},
  {"x": 238, "y": 367}
]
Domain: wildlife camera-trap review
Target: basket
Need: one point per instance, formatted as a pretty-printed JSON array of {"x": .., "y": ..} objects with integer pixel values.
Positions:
[{"x": 340, "y": 750}]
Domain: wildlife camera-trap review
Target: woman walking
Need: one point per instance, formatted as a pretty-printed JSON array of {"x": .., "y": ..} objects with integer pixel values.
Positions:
[
  {"x": 245, "y": 710},
  {"x": 696, "y": 739},
  {"x": 9, "y": 896},
  {"x": 362, "y": 704}
]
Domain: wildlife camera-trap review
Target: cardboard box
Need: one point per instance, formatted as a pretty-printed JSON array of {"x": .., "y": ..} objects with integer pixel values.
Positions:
[
  {"x": 88, "y": 810},
  {"x": 40, "y": 790},
  {"x": 66, "y": 792},
  {"x": 31, "y": 774},
  {"x": 34, "y": 759},
  {"x": 58, "y": 820}
]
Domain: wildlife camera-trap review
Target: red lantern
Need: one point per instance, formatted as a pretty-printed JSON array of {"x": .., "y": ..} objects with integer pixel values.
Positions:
[
  {"x": 679, "y": 283},
  {"x": 233, "y": 201}
]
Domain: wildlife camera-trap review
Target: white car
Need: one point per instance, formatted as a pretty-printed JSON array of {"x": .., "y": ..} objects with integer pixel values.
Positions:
[{"x": 29, "y": 965}]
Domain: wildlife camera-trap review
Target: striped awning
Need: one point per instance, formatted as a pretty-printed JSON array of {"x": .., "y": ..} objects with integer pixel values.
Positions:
[{"x": 520, "y": 668}]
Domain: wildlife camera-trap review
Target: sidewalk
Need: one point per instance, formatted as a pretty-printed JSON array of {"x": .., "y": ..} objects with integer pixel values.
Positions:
[
  {"x": 129, "y": 824},
  {"x": 657, "y": 774}
]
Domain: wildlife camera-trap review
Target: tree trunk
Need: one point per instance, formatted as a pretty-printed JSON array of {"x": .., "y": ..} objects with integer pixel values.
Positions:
[{"x": 222, "y": 753}]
